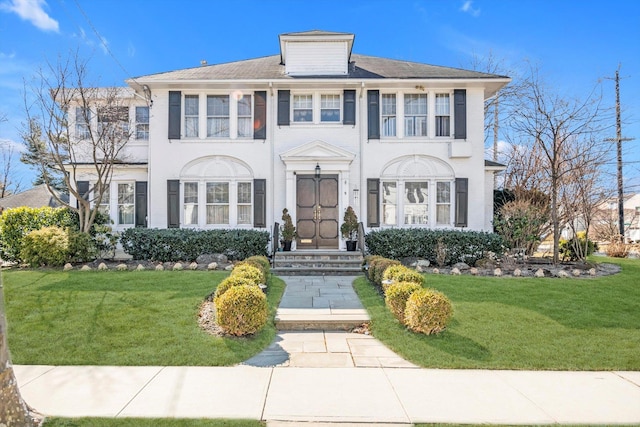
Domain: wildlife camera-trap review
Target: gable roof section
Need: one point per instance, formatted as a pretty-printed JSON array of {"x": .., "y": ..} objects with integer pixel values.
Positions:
[
  {"x": 360, "y": 67},
  {"x": 36, "y": 197}
]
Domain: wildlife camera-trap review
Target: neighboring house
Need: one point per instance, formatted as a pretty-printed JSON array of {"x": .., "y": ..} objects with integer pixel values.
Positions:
[
  {"x": 605, "y": 221},
  {"x": 36, "y": 197},
  {"x": 314, "y": 129}
]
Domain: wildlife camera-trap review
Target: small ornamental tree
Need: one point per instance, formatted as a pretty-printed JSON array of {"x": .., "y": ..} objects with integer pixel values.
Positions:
[
  {"x": 349, "y": 227},
  {"x": 288, "y": 229}
]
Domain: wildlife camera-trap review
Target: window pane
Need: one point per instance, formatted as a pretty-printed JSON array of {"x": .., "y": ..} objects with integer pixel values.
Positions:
[
  {"x": 191, "y": 214},
  {"x": 125, "y": 193},
  {"x": 416, "y": 206},
  {"x": 125, "y": 203},
  {"x": 217, "y": 192},
  {"x": 191, "y": 105},
  {"x": 302, "y": 108},
  {"x": 142, "y": 123},
  {"x": 244, "y": 105},
  {"x": 442, "y": 104},
  {"x": 217, "y": 214},
  {"x": 244, "y": 192},
  {"x": 443, "y": 203},
  {"x": 415, "y": 115},
  {"x": 389, "y": 201},
  {"x": 191, "y": 111},
  {"x": 388, "y": 115},
  {"x": 443, "y": 194},
  {"x": 415, "y": 104},
  {"x": 388, "y": 104},
  {"x": 191, "y": 192},
  {"x": 218, "y": 126},
  {"x": 244, "y": 214}
]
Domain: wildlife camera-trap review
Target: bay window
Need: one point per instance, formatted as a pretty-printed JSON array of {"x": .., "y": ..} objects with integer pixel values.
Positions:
[{"x": 217, "y": 116}]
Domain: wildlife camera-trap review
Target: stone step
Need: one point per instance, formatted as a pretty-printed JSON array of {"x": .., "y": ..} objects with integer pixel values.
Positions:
[
  {"x": 317, "y": 271},
  {"x": 310, "y": 319},
  {"x": 317, "y": 263}
]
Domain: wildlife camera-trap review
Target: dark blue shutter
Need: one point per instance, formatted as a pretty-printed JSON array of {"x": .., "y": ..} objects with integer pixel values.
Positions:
[
  {"x": 349, "y": 117},
  {"x": 83, "y": 190},
  {"x": 173, "y": 203},
  {"x": 141, "y": 204},
  {"x": 460, "y": 113},
  {"x": 373, "y": 114},
  {"x": 175, "y": 110},
  {"x": 462, "y": 202},
  {"x": 373, "y": 202},
  {"x": 284, "y": 107},
  {"x": 260, "y": 115},
  {"x": 260, "y": 203}
]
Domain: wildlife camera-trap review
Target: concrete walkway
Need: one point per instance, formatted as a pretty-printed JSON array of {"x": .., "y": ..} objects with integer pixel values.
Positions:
[{"x": 330, "y": 377}]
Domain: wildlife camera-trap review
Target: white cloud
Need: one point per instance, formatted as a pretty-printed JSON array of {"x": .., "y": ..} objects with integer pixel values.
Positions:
[
  {"x": 32, "y": 11},
  {"x": 467, "y": 7},
  {"x": 11, "y": 145},
  {"x": 131, "y": 50}
]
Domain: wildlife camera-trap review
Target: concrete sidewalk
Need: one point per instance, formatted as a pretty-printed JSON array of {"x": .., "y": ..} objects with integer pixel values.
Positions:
[{"x": 362, "y": 395}]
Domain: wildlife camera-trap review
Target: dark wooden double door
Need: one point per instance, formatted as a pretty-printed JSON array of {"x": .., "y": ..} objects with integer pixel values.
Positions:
[{"x": 317, "y": 212}]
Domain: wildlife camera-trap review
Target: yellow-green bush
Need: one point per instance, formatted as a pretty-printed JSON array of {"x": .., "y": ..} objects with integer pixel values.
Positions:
[
  {"x": 242, "y": 310},
  {"x": 400, "y": 273},
  {"x": 377, "y": 268},
  {"x": 230, "y": 282},
  {"x": 261, "y": 260},
  {"x": 249, "y": 271},
  {"x": 46, "y": 246},
  {"x": 428, "y": 311},
  {"x": 397, "y": 295}
]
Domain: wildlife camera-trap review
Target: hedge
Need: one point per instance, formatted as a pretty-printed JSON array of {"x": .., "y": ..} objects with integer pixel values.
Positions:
[
  {"x": 459, "y": 246},
  {"x": 182, "y": 244}
]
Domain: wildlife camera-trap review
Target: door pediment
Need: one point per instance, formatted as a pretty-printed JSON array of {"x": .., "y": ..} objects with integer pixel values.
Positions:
[{"x": 317, "y": 151}]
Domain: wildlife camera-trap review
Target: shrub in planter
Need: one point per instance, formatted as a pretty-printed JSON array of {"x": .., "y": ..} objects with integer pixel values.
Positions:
[
  {"x": 427, "y": 311},
  {"x": 230, "y": 282},
  {"x": 400, "y": 273},
  {"x": 250, "y": 272},
  {"x": 397, "y": 295},
  {"x": 242, "y": 310},
  {"x": 47, "y": 246}
]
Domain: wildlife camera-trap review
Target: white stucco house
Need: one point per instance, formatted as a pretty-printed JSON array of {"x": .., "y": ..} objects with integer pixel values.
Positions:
[{"x": 315, "y": 129}]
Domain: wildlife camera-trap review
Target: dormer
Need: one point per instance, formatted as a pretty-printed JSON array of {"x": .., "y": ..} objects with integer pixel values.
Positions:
[{"x": 316, "y": 53}]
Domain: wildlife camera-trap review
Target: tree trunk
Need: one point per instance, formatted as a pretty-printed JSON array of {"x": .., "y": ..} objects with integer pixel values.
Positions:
[
  {"x": 14, "y": 411},
  {"x": 554, "y": 217}
]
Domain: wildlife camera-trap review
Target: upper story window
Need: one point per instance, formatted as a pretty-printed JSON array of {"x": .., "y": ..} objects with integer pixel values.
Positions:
[
  {"x": 142, "y": 123},
  {"x": 443, "y": 114},
  {"x": 330, "y": 108},
  {"x": 303, "y": 108},
  {"x": 191, "y": 113},
  {"x": 217, "y": 116},
  {"x": 388, "y": 113},
  {"x": 415, "y": 115},
  {"x": 245, "y": 121},
  {"x": 83, "y": 119},
  {"x": 113, "y": 122}
]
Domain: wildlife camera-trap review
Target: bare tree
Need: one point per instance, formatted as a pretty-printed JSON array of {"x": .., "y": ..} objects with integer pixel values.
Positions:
[
  {"x": 565, "y": 136},
  {"x": 14, "y": 411},
  {"x": 84, "y": 128}
]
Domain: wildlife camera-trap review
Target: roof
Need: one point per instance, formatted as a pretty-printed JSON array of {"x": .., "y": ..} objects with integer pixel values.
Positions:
[
  {"x": 36, "y": 197},
  {"x": 360, "y": 67}
]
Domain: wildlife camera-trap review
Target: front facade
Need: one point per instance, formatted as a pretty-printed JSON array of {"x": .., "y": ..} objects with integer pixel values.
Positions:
[{"x": 314, "y": 129}]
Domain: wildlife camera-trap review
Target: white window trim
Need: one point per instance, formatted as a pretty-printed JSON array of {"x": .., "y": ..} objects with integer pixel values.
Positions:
[
  {"x": 199, "y": 116},
  {"x": 316, "y": 102},
  {"x": 431, "y": 202},
  {"x": 203, "y": 116},
  {"x": 148, "y": 123},
  {"x": 234, "y": 116},
  {"x": 202, "y": 203},
  {"x": 117, "y": 204}
]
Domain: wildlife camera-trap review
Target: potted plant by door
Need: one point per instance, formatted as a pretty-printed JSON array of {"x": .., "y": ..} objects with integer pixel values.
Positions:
[
  {"x": 349, "y": 228},
  {"x": 287, "y": 230}
]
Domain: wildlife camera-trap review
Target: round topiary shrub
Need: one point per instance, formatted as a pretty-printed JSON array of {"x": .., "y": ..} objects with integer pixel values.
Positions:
[
  {"x": 46, "y": 246},
  {"x": 249, "y": 271},
  {"x": 400, "y": 273},
  {"x": 378, "y": 267},
  {"x": 397, "y": 295},
  {"x": 262, "y": 260},
  {"x": 242, "y": 310},
  {"x": 427, "y": 311},
  {"x": 230, "y": 282}
]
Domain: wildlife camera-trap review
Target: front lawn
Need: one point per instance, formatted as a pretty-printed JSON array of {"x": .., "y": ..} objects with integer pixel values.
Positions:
[
  {"x": 524, "y": 323},
  {"x": 120, "y": 318}
]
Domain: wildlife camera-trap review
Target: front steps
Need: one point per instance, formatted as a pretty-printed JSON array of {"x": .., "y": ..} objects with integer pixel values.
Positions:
[{"x": 317, "y": 263}]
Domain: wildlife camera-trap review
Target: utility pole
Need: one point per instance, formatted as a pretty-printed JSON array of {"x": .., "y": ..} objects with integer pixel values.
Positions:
[{"x": 619, "y": 139}]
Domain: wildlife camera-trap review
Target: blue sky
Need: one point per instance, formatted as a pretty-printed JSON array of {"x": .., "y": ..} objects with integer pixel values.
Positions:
[{"x": 574, "y": 42}]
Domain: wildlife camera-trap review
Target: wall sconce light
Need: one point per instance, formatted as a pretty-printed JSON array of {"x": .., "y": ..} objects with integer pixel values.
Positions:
[
  {"x": 356, "y": 197},
  {"x": 317, "y": 170}
]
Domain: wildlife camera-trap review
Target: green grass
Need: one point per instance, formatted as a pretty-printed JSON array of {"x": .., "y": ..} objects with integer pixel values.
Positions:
[
  {"x": 120, "y": 318},
  {"x": 524, "y": 323},
  {"x": 147, "y": 422}
]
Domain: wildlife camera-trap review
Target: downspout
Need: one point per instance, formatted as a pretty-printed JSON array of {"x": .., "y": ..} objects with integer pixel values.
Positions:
[
  {"x": 363, "y": 133},
  {"x": 270, "y": 133}
]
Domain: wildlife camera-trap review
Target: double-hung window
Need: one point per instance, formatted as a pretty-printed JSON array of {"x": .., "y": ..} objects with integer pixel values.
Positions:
[
  {"x": 303, "y": 108},
  {"x": 126, "y": 200},
  {"x": 83, "y": 119},
  {"x": 142, "y": 123},
  {"x": 330, "y": 108},
  {"x": 217, "y": 203},
  {"x": 217, "y": 116},
  {"x": 190, "y": 191},
  {"x": 443, "y": 115},
  {"x": 104, "y": 205},
  {"x": 191, "y": 112},
  {"x": 443, "y": 203},
  {"x": 388, "y": 114},
  {"x": 113, "y": 122},
  {"x": 389, "y": 203},
  {"x": 415, "y": 115},
  {"x": 245, "y": 121},
  {"x": 416, "y": 203},
  {"x": 244, "y": 203}
]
